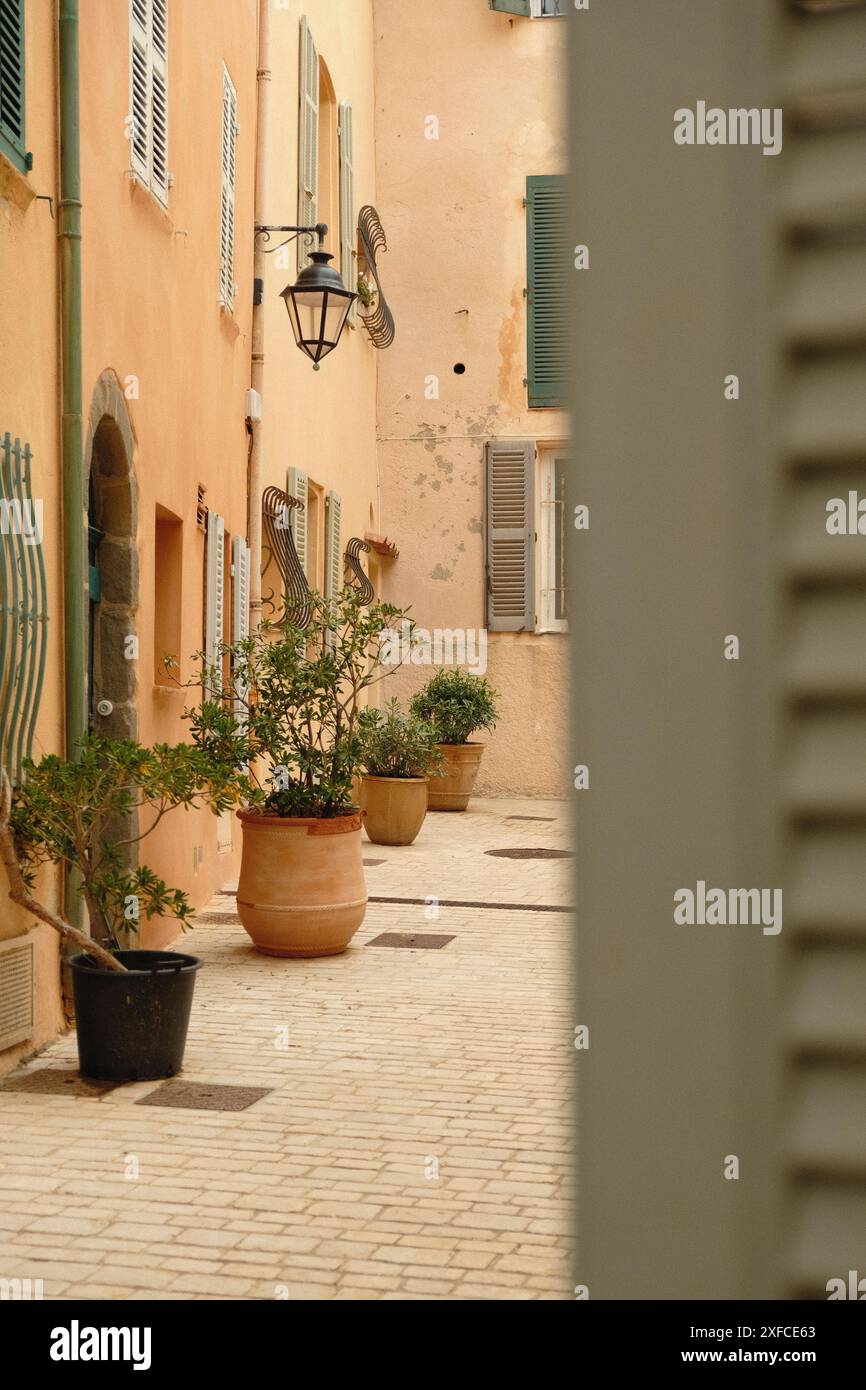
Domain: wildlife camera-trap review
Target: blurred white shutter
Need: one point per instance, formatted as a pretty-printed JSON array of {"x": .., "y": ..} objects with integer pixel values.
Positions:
[
  {"x": 347, "y": 203},
  {"x": 227, "y": 192},
  {"x": 333, "y": 546}
]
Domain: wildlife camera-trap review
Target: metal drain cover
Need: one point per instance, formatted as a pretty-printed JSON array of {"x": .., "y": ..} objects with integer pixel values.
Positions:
[
  {"x": 195, "y": 1095},
  {"x": 407, "y": 941},
  {"x": 530, "y": 853},
  {"x": 216, "y": 919},
  {"x": 52, "y": 1081},
  {"x": 549, "y": 819},
  {"x": 372, "y": 863}
]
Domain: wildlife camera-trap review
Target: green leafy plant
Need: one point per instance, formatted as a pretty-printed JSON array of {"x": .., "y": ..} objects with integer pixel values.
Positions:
[
  {"x": 288, "y": 714},
  {"x": 398, "y": 745},
  {"x": 366, "y": 292},
  {"x": 85, "y": 813},
  {"x": 456, "y": 704}
]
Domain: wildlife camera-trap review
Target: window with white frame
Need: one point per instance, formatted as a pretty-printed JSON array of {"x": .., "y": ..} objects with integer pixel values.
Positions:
[
  {"x": 547, "y": 9},
  {"x": 227, "y": 192},
  {"x": 552, "y": 609},
  {"x": 147, "y": 123}
]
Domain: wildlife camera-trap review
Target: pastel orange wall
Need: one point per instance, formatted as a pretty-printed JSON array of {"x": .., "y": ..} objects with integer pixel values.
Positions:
[
  {"x": 29, "y": 410},
  {"x": 151, "y": 312},
  {"x": 455, "y": 277},
  {"x": 321, "y": 422}
]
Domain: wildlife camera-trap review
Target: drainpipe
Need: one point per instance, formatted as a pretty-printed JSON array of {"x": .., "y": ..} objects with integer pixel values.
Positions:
[
  {"x": 69, "y": 237},
  {"x": 257, "y": 363}
]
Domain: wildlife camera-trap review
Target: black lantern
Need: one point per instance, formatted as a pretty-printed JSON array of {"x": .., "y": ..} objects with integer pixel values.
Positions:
[{"x": 318, "y": 305}]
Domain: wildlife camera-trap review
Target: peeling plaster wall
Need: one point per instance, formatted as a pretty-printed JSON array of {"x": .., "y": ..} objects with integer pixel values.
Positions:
[{"x": 454, "y": 276}]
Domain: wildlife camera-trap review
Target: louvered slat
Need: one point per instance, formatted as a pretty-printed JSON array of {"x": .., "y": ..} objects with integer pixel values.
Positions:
[
  {"x": 16, "y": 991},
  {"x": 822, "y": 216},
  {"x": 547, "y": 289},
  {"x": 12, "y": 75},
  {"x": 308, "y": 137},
  {"x": 511, "y": 535}
]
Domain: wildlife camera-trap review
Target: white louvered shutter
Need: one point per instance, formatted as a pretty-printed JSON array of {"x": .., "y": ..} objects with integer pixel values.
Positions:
[
  {"x": 308, "y": 138},
  {"x": 511, "y": 535},
  {"x": 347, "y": 203},
  {"x": 227, "y": 192},
  {"x": 296, "y": 486},
  {"x": 241, "y": 590},
  {"x": 149, "y": 93},
  {"x": 215, "y": 596},
  {"x": 139, "y": 86},
  {"x": 822, "y": 263},
  {"x": 333, "y": 546}
]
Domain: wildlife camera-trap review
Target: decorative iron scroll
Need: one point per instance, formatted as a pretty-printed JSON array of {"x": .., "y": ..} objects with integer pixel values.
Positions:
[
  {"x": 379, "y": 322},
  {"x": 355, "y": 571},
  {"x": 23, "y": 607},
  {"x": 276, "y": 511}
]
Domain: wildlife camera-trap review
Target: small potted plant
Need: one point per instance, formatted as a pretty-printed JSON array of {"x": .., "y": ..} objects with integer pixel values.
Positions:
[
  {"x": 132, "y": 1007},
  {"x": 289, "y": 716},
  {"x": 400, "y": 753},
  {"x": 456, "y": 704}
]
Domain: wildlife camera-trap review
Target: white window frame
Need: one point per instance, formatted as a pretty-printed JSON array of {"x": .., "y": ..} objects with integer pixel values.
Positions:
[
  {"x": 548, "y": 455},
  {"x": 537, "y": 12}
]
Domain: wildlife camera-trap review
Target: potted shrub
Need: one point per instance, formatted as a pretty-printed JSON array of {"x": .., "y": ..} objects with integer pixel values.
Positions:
[
  {"x": 132, "y": 1007},
  {"x": 289, "y": 715},
  {"x": 400, "y": 753},
  {"x": 456, "y": 704}
]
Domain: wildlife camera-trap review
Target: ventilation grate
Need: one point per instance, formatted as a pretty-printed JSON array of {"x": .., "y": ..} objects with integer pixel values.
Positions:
[
  {"x": 16, "y": 991},
  {"x": 530, "y": 853},
  {"x": 407, "y": 941},
  {"x": 195, "y": 1095},
  {"x": 57, "y": 1081}
]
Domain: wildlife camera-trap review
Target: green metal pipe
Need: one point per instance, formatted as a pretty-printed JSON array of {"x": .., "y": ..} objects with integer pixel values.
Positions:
[{"x": 74, "y": 570}]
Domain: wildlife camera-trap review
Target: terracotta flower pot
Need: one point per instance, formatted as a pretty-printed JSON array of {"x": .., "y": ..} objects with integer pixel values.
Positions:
[
  {"x": 394, "y": 808},
  {"x": 301, "y": 890},
  {"x": 451, "y": 791}
]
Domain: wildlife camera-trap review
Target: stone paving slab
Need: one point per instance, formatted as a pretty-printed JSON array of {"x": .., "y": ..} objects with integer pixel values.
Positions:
[{"x": 414, "y": 1141}]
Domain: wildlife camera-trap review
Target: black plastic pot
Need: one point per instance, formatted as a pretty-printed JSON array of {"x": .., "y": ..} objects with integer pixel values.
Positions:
[{"x": 132, "y": 1027}]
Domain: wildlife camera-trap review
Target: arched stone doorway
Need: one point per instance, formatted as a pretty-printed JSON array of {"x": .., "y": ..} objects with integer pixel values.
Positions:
[{"x": 113, "y": 558}]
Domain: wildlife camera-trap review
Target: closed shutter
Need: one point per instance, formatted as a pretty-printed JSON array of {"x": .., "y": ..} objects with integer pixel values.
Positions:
[
  {"x": 511, "y": 6},
  {"x": 227, "y": 194},
  {"x": 547, "y": 289},
  {"x": 347, "y": 203},
  {"x": 333, "y": 546},
  {"x": 159, "y": 98},
  {"x": 511, "y": 535},
  {"x": 308, "y": 138},
  {"x": 12, "y": 82},
  {"x": 215, "y": 589},
  {"x": 823, "y": 315},
  {"x": 241, "y": 590},
  {"x": 148, "y": 28},
  {"x": 296, "y": 486}
]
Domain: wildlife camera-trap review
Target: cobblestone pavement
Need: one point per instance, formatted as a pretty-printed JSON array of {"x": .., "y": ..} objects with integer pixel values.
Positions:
[{"x": 414, "y": 1138}]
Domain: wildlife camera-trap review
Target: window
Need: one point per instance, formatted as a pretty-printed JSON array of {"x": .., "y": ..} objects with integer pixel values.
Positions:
[
  {"x": 328, "y": 181},
  {"x": 12, "y": 84},
  {"x": 526, "y": 536},
  {"x": 547, "y": 269},
  {"x": 348, "y": 266},
  {"x": 148, "y": 119},
  {"x": 227, "y": 194},
  {"x": 552, "y": 616},
  {"x": 168, "y": 592},
  {"x": 547, "y": 9}
]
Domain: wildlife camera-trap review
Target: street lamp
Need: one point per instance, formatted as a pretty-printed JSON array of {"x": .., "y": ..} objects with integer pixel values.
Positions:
[{"x": 318, "y": 303}]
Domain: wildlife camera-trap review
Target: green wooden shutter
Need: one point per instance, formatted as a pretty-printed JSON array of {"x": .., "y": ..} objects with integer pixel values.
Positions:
[
  {"x": 347, "y": 203},
  {"x": 511, "y": 535},
  {"x": 512, "y": 6},
  {"x": 547, "y": 289},
  {"x": 12, "y": 83},
  {"x": 308, "y": 138}
]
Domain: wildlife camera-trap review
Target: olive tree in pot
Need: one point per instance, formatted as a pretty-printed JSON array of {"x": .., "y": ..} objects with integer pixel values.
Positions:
[
  {"x": 132, "y": 1007},
  {"x": 456, "y": 704},
  {"x": 400, "y": 753},
  {"x": 289, "y": 716}
]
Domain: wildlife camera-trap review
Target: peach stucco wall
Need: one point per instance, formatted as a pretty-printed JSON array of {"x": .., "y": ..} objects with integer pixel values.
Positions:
[
  {"x": 454, "y": 276},
  {"x": 321, "y": 422},
  {"x": 29, "y": 410},
  {"x": 152, "y": 313}
]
